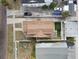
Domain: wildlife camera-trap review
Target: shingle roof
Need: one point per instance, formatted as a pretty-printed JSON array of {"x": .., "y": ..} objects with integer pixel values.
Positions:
[{"x": 38, "y": 28}]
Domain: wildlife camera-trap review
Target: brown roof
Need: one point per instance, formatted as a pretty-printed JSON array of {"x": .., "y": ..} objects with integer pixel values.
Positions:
[{"x": 38, "y": 28}]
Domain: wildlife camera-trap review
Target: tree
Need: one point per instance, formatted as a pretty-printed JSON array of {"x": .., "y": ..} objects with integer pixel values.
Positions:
[
  {"x": 65, "y": 14},
  {"x": 44, "y": 7},
  {"x": 52, "y": 5},
  {"x": 4, "y": 2}
]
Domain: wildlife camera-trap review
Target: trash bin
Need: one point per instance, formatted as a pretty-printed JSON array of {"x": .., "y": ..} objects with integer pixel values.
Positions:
[{"x": 51, "y": 51}]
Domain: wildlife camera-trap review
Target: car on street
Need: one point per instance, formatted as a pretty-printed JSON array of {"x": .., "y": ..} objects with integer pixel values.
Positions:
[{"x": 27, "y": 14}]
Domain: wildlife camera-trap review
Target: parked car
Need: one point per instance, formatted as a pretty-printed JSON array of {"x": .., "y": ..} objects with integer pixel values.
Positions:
[
  {"x": 56, "y": 12},
  {"x": 27, "y": 14}
]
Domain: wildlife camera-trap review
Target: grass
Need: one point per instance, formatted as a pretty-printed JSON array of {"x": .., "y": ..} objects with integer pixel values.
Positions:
[
  {"x": 23, "y": 50},
  {"x": 10, "y": 42},
  {"x": 19, "y": 35},
  {"x": 13, "y": 4},
  {"x": 18, "y": 25},
  {"x": 58, "y": 28}
]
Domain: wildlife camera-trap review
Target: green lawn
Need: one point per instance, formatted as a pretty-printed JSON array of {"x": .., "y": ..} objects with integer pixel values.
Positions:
[{"x": 58, "y": 28}]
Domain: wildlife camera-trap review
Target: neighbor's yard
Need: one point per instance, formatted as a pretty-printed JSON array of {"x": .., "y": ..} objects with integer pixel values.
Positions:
[
  {"x": 10, "y": 42},
  {"x": 23, "y": 48}
]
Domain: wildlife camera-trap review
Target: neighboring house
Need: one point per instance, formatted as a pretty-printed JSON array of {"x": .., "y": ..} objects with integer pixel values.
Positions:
[
  {"x": 35, "y": 3},
  {"x": 66, "y": 8},
  {"x": 39, "y": 29},
  {"x": 71, "y": 29}
]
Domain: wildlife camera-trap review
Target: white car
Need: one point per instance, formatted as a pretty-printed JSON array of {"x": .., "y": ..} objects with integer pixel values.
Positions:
[{"x": 58, "y": 8}]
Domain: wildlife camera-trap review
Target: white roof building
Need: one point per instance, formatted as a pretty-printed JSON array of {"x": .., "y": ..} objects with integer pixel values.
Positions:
[
  {"x": 66, "y": 7},
  {"x": 36, "y": 3},
  {"x": 71, "y": 29}
]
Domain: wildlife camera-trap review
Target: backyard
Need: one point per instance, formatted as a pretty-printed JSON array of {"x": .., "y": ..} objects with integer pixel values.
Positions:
[
  {"x": 24, "y": 50},
  {"x": 58, "y": 28}
]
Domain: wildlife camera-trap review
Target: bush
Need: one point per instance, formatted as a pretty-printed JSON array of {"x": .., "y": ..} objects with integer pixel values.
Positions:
[
  {"x": 70, "y": 39},
  {"x": 52, "y": 5},
  {"x": 65, "y": 14},
  {"x": 44, "y": 7}
]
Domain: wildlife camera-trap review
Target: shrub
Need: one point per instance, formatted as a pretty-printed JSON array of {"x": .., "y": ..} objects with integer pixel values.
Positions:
[
  {"x": 65, "y": 14},
  {"x": 44, "y": 7},
  {"x": 70, "y": 39}
]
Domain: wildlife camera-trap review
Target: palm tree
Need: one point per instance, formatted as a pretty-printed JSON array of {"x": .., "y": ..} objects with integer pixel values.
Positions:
[{"x": 3, "y": 29}]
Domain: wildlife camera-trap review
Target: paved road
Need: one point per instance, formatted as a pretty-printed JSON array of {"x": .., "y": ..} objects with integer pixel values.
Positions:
[{"x": 2, "y": 32}]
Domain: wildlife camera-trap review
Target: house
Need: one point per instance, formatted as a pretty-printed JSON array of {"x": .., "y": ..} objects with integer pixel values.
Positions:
[
  {"x": 38, "y": 29},
  {"x": 35, "y": 3}
]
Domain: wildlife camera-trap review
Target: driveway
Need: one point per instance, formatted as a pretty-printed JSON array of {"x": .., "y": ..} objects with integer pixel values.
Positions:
[{"x": 72, "y": 53}]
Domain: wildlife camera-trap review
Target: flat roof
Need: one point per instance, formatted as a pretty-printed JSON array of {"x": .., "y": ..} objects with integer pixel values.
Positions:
[
  {"x": 32, "y": 1},
  {"x": 71, "y": 29}
]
